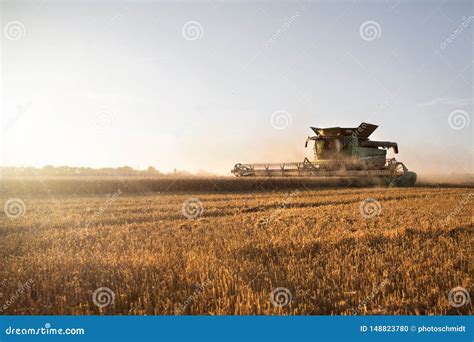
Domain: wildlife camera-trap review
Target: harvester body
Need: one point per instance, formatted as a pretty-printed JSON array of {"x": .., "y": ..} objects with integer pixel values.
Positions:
[{"x": 340, "y": 152}]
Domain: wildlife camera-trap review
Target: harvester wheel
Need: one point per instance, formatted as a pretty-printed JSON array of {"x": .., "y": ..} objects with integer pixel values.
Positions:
[{"x": 405, "y": 180}]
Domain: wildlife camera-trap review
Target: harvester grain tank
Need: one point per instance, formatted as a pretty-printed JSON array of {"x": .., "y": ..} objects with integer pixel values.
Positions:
[{"x": 341, "y": 153}]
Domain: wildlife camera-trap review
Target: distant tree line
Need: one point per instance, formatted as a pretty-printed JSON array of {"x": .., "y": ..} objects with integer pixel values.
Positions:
[{"x": 62, "y": 171}]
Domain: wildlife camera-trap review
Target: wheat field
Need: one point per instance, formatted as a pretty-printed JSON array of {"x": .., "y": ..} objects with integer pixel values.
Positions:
[{"x": 297, "y": 251}]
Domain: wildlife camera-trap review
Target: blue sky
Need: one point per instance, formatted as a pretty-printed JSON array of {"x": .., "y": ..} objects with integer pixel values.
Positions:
[{"x": 203, "y": 85}]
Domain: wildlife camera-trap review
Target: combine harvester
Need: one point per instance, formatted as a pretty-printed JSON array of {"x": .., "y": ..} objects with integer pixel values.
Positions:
[{"x": 345, "y": 153}]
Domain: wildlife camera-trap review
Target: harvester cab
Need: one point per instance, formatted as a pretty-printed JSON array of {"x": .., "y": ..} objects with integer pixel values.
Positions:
[{"x": 350, "y": 148}]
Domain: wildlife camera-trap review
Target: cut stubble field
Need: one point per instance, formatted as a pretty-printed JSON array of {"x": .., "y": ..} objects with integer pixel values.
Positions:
[{"x": 301, "y": 251}]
